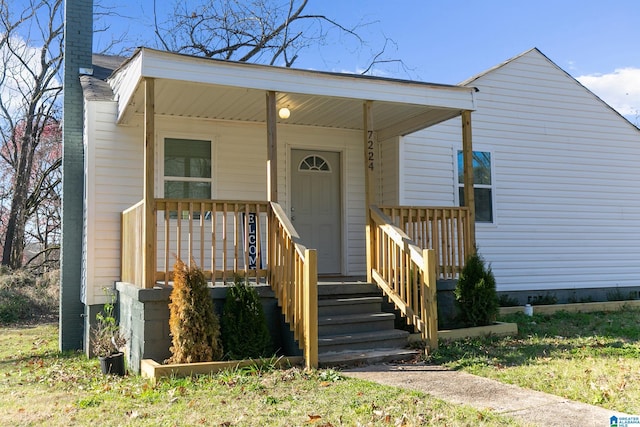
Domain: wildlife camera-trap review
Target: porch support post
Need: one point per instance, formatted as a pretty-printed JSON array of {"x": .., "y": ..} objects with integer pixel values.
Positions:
[
  {"x": 310, "y": 308},
  {"x": 272, "y": 148},
  {"x": 369, "y": 187},
  {"x": 469, "y": 195},
  {"x": 149, "y": 223}
]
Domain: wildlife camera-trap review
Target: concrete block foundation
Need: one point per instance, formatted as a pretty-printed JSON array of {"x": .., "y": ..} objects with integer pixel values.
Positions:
[{"x": 144, "y": 320}]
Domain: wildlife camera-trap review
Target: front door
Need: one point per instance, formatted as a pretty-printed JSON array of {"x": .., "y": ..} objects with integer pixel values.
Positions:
[{"x": 315, "y": 205}]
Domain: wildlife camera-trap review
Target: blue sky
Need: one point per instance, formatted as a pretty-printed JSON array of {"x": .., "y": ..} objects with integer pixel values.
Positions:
[{"x": 446, "y": 41}]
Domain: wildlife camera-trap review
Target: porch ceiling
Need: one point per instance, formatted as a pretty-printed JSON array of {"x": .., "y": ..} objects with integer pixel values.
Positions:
[{"x": 193, "y": 87}]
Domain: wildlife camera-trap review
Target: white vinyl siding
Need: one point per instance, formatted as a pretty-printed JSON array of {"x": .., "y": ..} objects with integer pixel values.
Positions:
[
  {"x": 388, "y": 171},
  {"x": 239, "y": 172},
  {"x": 567, "y": 191},
  {"x": 113, "y": 182},
  {"x": 427, "y": 160}
]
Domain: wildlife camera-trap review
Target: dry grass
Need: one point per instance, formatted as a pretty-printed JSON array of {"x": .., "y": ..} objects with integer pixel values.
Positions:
[
  {"x": 589, "y": 357},
  {"x": 39, "y": 386}
]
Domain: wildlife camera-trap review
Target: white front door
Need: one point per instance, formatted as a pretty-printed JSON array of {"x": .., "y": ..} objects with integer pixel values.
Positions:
[{"x": 315, "y": 205}]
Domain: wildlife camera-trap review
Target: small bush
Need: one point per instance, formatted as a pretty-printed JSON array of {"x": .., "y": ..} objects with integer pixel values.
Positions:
[
  {"x": 194, "y": 325},
  {"x": 25, "y": 296},
  {"x": 616, "y": 295},
  {"x": 106, "y": 337},
  {"x": 504, "y": 300},
  {"x": 13, "y": 306},
  {"x": 475, "y": 293},
  {"x": 546, "y": 299},
  {"x": 244, "y": 327}
]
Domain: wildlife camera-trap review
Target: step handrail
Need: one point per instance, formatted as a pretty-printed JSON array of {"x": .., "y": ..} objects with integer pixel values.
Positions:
[
  {"x": 405, "y": 273},
  {"x": 293, "y": 276}
]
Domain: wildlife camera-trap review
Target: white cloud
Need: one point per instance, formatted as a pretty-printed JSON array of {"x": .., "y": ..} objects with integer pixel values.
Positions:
[
  {"x": 16, "y": 68},
  {"x": 620, "y": 89}
]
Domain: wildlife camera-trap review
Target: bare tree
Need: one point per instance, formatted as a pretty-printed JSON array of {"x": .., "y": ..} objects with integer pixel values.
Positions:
[
  {"x": 29, "y": 128},
  {"x": 273, "y": 32}
]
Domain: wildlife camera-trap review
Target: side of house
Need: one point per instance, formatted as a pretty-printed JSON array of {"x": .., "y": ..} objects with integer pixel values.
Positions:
[{"x": 557, "y": 182}]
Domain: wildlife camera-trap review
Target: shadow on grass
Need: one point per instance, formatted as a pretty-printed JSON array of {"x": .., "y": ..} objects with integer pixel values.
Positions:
[
  {"x": 560, "y": 335},
  {"x": 46, "y": 357}
]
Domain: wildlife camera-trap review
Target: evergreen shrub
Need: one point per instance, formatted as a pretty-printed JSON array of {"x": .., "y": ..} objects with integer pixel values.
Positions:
[
  {"x": 475, "y": 293},
  {"x": 245, "y": 334},
  {"x": 193, "y": 323}
]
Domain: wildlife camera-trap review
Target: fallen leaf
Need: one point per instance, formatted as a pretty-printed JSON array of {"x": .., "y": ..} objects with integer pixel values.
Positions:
[{"x": 313, "y": 418}]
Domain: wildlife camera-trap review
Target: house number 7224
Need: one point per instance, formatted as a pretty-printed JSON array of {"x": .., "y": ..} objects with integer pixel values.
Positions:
[{"x": 370, "y": 152}]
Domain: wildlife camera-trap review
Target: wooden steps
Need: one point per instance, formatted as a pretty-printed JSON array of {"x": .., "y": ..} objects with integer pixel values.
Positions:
[{"x": 353, "y": 329}]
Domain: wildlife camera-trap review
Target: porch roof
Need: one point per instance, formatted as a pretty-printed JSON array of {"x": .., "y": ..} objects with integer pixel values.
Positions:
[{"x": 197, "y": 87}]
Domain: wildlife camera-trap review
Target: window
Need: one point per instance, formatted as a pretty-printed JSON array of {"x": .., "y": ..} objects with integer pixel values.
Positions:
[
  {"x": 482, "y": 185},
  {"x": 314, "y": 163},
  {"x": 187, "y": 169}
]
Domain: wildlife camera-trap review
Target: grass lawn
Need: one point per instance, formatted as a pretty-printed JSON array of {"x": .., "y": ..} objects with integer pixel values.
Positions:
[
  {"x": 39, "y": 386},
  {"x": 589, "y": 357}
]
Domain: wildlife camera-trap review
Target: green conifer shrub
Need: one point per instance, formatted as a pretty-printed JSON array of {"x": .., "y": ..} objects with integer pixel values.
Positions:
[
  {"x": 245, "y": 333},
  {"x": 475, "y": 293},
  {"x": 193, "y": 323}
]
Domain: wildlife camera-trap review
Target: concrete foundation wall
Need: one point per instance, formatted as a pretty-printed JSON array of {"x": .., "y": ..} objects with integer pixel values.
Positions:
[
  {"x": 144, "y": 320},
  {"x": 447, "y": 309}
]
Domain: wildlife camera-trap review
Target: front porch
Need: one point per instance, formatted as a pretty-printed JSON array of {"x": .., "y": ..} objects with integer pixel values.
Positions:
[
  {"x": 257, "y": 241},
  {"x": 401, "y": 249}
]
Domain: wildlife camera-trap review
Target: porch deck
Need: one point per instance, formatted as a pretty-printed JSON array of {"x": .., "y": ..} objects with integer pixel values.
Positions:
[{"x": 256, "y": 240}]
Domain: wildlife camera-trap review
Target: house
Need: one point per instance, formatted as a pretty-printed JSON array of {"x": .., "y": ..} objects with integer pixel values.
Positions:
[
  {"x": 558, "y": 207},
  {"x": 198, "y": 159},
  {"x": 281, "y": 175},
  {"x": 293, "y": 177}
]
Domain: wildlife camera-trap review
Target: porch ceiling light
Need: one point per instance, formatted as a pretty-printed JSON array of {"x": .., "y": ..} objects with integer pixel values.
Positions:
[{"x": 284, "y": 113}]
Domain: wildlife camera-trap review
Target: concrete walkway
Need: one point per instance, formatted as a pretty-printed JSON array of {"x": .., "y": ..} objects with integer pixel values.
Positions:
[{"x": 530, "y": 407}]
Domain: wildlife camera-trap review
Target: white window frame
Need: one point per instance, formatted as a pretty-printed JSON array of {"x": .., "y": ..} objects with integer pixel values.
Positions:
[
  {"x": 492, "y": 187},
  {"x": 161, "y": 178}
]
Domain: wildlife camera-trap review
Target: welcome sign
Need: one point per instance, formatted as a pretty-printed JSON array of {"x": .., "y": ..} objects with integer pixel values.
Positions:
[{"x": 250, "y": 224}]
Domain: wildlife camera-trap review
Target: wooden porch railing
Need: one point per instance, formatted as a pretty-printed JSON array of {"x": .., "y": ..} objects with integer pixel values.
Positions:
[
  {"x": 131, "y": 244},
  {"x": 405, "y": 273},
  {"x": 225, "y": 238},
  {"x": 293, "y": 276},
  {"x": 443, "y": 229}
]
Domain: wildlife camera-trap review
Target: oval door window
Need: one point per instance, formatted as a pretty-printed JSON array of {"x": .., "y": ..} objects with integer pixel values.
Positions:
[{"x": 314, "y": 163}]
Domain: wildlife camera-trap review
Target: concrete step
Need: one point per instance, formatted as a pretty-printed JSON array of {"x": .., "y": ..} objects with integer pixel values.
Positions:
[
  {"x": 375, "y": 340},
  {"x": 353, "y": 305},
  {"x": 353, "y": 323},
  {"x": 366, "y": 357}
]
